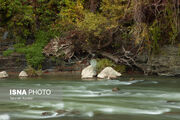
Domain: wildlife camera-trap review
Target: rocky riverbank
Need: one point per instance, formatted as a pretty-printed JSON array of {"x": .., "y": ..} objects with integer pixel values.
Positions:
[{"x": 167, "y": 63}]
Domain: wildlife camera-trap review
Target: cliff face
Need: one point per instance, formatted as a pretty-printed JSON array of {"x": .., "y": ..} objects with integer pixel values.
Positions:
[
  {"x": 13, "y": 63},
  {"x": 17, "y": 62},
  {"x": 167, "y": 63}
]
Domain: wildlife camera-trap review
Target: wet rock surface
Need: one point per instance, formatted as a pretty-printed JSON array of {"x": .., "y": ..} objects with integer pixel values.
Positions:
[
  {"x": 47, "y": 114},
  {"x": 115, "y": 89},
  {"x": 61, "y": 112}
]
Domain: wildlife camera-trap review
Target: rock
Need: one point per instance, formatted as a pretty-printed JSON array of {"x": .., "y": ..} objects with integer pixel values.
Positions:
[
  {"x": 14, "y": 62},
  {"x": 47, "y": 114},
  {"x": 61, "y": 111},
  {"x": 115, "y": 89},
  {"x": 108, "y": 73},
  {"x": 173, "y": 101},
  {"x": 75, "y": 112},
  {"x": 131, "y": 79},
  {"x": 3, "y": 74},
  {"x": 166, "y": 63},
  {"x": 99, "y": 93},
  {"x": 88, "y": 72},
  {"x": 173, "y": 113},
  {"x": 23, "y": 74}
]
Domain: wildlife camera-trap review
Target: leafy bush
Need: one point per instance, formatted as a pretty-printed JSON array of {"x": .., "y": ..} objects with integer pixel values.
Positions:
[
  {"x": 120, "y": 68},
  {"x": 19, "y": 45},
  {"x": 155, "y": 32},
  {"x": 8, "y": 52},
  {"x": 32, "y": 72},
  {"x": 102, "y": 63},
  {"x": 33, "y": 53}
]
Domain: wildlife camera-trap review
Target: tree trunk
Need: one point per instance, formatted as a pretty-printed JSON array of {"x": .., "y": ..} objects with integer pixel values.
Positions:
[{"x": 94, "y": 5}]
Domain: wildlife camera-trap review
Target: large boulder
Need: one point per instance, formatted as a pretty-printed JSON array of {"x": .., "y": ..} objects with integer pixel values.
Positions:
[
  {"x": 3, "y": 74},
  {"x": 23, "y": 74},
  {"x": 88, "y": 72},
  {"x": 108, "y": 73}
]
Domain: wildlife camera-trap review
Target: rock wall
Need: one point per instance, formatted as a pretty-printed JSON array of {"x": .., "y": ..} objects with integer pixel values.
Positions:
[
  {"x": 167, "y": 63},
  {"x": 17, "y": 62},
  {"x": 13, "y": 63}
]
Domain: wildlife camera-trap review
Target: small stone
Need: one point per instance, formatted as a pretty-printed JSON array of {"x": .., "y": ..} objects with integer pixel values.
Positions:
[
  {"x": 172, "y": 101},
  {"x": 173, "y": 113},
  {"x": 61, "y": 111},
  {"x": 132, "y": 79},
  {"x": 75, "y": 112},
  {"x": 3, "y": 74},
  {"x": 115, "y": 89},
  {"x": 47, "y": 114}
]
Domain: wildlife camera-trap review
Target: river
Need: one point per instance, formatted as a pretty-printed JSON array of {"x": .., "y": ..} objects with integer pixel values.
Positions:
[{"x": 145, "y": 98}]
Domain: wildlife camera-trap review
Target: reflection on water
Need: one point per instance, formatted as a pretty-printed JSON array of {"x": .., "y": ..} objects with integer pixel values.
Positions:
[{"x": 145, "y": 98}]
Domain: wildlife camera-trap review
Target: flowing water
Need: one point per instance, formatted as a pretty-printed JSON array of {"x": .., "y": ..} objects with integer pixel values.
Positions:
[{"x": 145, "y": 98}]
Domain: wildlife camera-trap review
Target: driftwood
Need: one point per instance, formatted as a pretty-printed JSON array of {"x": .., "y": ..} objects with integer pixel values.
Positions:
[
  {"x": 60, "y": 47},
  {"x": 110, "y": 56},
  {"x": 126, "y": 57}
]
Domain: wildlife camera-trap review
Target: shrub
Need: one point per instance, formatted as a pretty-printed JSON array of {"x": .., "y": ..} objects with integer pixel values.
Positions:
[
  {"x": 155, "y": 32},
  {"x": 19, "y": 45},
  {"x": 8, "y": 52},
  {"x": 102, "y": 63},
  {"x": 32, "y": 72},
  {"x": 33, "y": 53},
  {"x": 120, "y": 68}
]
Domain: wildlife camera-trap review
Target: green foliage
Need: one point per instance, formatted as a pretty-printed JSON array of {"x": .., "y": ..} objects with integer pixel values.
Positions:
[
  {"x": 32, "y": 23},
  {"x": 33, "y": 53},
  {"x": 155, "y": 32},
  {"x": 179, "y": 49},
  {"x": 32, "y": 72},
  {"x": 71, "y": 11},
  {"x": 120, "y": 68},
  {"x": 8, "y": 52},
  {"x": 173, "y": 34},
  {"x": 172, "y": 25},
  {"x": 102, "y": 63},
  {"x": 113, "y": 9},
  {"x": 34, "y": 56},
  {"x": 19, "y": 45},
  {"x": 18, "y": 18},
  {"x": 93, "y": 23}
]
